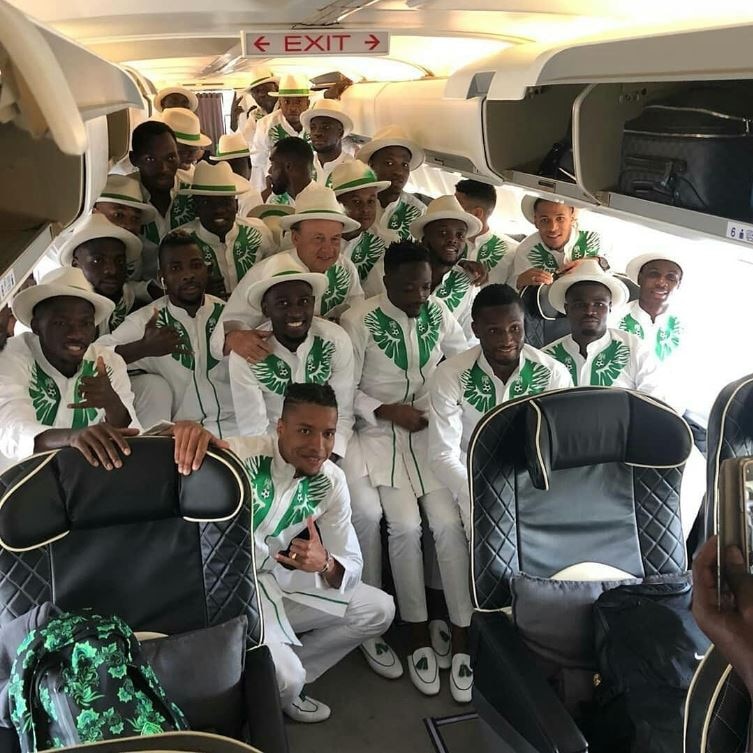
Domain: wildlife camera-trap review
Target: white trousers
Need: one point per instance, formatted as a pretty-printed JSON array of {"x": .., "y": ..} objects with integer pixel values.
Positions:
[
  {"x": 404, "y": 540},
  {"x": 152, "y": 399},
  {"x": 327, "y": 638}
]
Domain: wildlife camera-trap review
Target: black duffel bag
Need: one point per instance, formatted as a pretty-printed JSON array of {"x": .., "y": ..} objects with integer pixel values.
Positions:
[
  {"x": 693, "y": 150},
  {"x": 648, "y": 647}
]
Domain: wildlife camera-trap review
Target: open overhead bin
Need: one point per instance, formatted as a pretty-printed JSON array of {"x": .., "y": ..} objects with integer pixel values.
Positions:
[
  {"x": 600, "y": 86},
  {"x": 55, "y": 140}
]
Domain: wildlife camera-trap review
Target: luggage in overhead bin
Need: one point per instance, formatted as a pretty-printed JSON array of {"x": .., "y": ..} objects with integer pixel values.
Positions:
[{"x": 693, "y": 150}]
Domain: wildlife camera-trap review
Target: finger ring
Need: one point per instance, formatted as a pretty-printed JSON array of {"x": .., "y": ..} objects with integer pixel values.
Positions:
[{"x": 293, "y": 556}]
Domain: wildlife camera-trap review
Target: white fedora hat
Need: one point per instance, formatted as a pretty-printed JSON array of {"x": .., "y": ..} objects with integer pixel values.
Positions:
[
  {"x": 261, "y": 76},
  {"x": 635, "y": 265},
  {"x": 392, "y": 135},
  {"x": 263, "y": 211},
  {"x": 328, "y": 108},
  {"x": 65, "y": 281},
  {"x": 528, "y": 201},
  {"x": 215, "y": 180},
  {"x": 193, "y": 100},
  {"x": 589, "y": 270},
  {"x": 98, "y": 226},
  {"x": 120, "y": 189},
  {"x": 186, "y": 127},
  {"x": 282, "y": 268},
  {"x": 445, "y": 208},
  {"x": 292, "y": 85},
  {"x": 354, "y": 175},
  {"x": 318, "y": 203},
  {"x": 231, "y": 146}
]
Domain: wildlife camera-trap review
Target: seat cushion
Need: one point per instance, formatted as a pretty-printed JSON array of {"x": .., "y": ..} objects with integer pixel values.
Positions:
[{"x": 202, "y": 673}]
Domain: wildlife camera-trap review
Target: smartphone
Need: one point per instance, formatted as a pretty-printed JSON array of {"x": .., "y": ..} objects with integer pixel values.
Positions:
[
  {"x": 734, "y": 522},
  {"x": 305, "y": 535}
]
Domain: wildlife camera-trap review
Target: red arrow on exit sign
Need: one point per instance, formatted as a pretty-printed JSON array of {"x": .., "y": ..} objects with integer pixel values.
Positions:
[{"x": 314, "y": 42}]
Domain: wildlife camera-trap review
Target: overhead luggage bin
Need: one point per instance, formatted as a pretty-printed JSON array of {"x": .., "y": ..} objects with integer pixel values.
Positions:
[
  {"x": 614, "y": 79},
  {"x": 55, "y": 101}
]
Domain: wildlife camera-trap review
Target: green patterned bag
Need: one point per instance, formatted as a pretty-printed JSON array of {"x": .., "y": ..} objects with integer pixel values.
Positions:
[{"x": 81, "y": 678}]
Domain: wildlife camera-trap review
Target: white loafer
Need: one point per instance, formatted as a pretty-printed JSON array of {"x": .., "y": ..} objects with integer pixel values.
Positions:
[
  {"x": 441, "y": 642},
  {"x": 461, "y": 678},
  {"x": 381, "y": 658},
  {"x": 423, "y": 670},
  {"x": 307, "y": 710}
]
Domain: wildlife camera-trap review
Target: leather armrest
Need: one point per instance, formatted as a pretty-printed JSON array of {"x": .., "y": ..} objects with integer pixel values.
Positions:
[
  {"x": 507, "y": 678},
  {"x": 266, "y": 730}
]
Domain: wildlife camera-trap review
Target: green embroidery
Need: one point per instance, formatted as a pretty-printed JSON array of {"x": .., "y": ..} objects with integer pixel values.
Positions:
[
  {"x": 478, "y": 389},
  {"x": 388, "y": 336},
  {"x": 310, "y": 493},
  {"x": 337, "y": 288},
  {"x": 542, "y": 258},
  {"x": 428, "y": 327},
  {"x": 259, "y": 470},
  {"x": 587, "y": 244},
  {"x": 629, "y": 324},
  {"x": 283, "y": 198},
  {"x": 151, "y": 233},
  {"x": 668, "y": 338},
  {"x": 210, "y": 259},
  {"x": 560, "y": 353},
  {"x": 533, "y": 378},
  {"x": 492, "y": 252},
  {"x": 319, "y": 361},
  {"x": 118, "y": 315},
  {"x": 454, "y": 288},
  {"x": 245, "y": 249},
  {"x": 45, "y": 395},
  {"x": 277, "y": 132},
  {"x": 182, "y": 210},
  {"x": 83, "y": 417},
  {"x": 608, "y": 365},
  {"x": 402, "y": 217},
  {"x": 366, "y": 253},
  {"x": 166, "y": 319},
  {"x": 211, "y": 325},
  {"x": 273, "y": 373}
]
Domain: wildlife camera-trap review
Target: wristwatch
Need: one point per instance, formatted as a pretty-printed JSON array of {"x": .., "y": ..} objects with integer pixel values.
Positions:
[{"x": 328, "y": 564}]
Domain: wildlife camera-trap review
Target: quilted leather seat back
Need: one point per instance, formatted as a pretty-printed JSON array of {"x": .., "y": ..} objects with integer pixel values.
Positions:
[
  {"x": 730, "y": 435},
  {"x": 582, "y": 475},
  {"x": 165, "y": 552}
]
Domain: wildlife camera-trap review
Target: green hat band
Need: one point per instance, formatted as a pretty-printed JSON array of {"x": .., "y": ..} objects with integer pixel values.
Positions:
[
  {"x": 259, "y": 81},
  {"x": 293, "y": 92},
  {"x": 353, "y": 184},
  {"x": 321, "y": 211},
  {"x": 119, "y": 197},
  {"x": 273, "y": 213},
  {"x": 227, "y": 154},
  {"x": 218, "y": 189},
  {"x": 289, "y": 272},
  {"x": 187, "y": 136}
]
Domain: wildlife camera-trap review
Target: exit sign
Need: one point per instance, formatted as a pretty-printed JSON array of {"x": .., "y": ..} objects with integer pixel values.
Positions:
[{"x": 313, "y": 42}]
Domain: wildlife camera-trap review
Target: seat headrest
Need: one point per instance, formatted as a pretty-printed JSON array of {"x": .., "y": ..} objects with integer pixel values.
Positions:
[
  {"x": 51, "y": 494},
  {"x": 591, "y": 425}
]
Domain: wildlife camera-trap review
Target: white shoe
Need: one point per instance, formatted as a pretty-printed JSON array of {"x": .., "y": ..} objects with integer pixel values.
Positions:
[
  {"x": 441, "y": 642},
  {"x": 307, "y": 710},
  {"x": 423, "y": 670},
  {"x": 461, "y": 678},
  {"x": 381, "y": 658}
]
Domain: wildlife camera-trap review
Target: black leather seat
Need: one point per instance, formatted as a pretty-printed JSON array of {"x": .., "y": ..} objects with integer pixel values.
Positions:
[
  {"x": 167, "y": 553},
  {"x": 717, "y": 710},
  {"x": 544, "y": 324},
  {"x": 730, "y": 435},
  {"x": 582, "y": 475}
]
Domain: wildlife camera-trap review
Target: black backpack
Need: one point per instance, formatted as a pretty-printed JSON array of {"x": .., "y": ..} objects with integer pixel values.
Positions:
[
  {"x": 648, "y": 647},
  {"x": 81, "y": 678}
]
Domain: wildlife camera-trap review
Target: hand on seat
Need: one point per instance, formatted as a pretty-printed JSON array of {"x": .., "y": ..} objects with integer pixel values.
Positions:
[
  {"x": 191, "y": 444},
  {"x": 102, "y": 444},
  {"x": 731, "y": 628}
]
